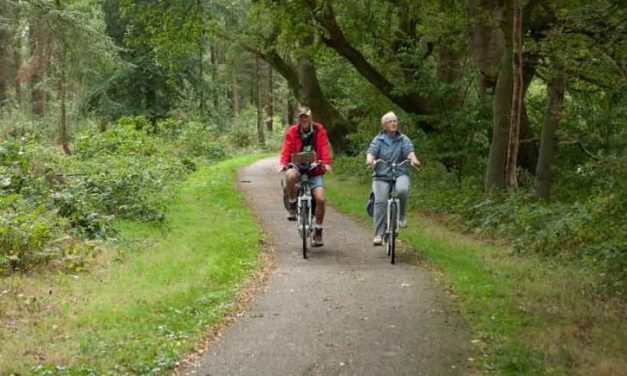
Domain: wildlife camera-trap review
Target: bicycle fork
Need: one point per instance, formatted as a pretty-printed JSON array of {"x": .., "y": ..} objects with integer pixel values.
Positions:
[
  {"x": 304, "y": 204},
  {"x": 397, "y": 213}
]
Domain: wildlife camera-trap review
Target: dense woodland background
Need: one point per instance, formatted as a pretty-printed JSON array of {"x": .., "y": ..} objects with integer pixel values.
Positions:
[{"x": 518, "y": 110}]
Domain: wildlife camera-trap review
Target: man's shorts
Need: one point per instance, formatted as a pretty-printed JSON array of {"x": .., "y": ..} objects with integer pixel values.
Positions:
[{"x": 316, "y": 181}]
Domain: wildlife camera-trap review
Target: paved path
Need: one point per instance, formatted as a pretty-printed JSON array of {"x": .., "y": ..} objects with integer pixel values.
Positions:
[{"x": 343, "y": 311}]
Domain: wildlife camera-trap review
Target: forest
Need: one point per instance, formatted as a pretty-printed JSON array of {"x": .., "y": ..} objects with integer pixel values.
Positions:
[{"x": 517, "y": 109}]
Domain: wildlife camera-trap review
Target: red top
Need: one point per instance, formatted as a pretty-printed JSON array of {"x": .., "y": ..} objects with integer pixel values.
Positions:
[{"x": 294, "y": 144}]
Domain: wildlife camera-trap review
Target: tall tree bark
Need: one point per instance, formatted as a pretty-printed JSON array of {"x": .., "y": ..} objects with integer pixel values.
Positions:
[
  {"x": 235, "y": 100},
  {"x": 63, "y": 141},
  {"x": 200, "y": 89},
  {"x": 261, "y": 140},
  {"x": 528, "y": 149},
  {"x": 548, "y": 140},
  {"x": 5, "y": 56},
  {"x": 497, "y": 159},
  {"x": 517, "y": 94},
  {"x": 289, "y": 111},
  {"x": 487, "y": 42},
  {"x": 495, "y": 174},
  {"x": 38, "y": 65},
  {"x": 214, "y": 76},
  {"x": 17, "y": 60},
  {"x": 270, "y": 114}
]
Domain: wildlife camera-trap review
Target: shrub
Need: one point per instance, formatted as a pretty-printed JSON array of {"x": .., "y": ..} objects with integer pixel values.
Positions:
[{"x": 25, "y": 232}]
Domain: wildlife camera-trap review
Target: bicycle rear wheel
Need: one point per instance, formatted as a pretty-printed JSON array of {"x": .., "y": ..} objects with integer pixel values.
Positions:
[{"x": 392, "y": 234}]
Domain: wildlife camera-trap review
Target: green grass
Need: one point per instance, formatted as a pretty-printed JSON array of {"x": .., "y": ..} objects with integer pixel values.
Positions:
[
  {"x": 145, "y": 306},
  {"x": 528, "y": 315}
]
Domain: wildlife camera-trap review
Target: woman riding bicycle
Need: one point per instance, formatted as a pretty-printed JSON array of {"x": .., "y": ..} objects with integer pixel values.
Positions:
[{"x": 391, "y": 146}]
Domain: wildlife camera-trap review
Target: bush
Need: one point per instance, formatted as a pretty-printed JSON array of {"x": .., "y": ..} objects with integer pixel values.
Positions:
[
  {"x": 25, "y": 232},
  {"x": 195, "y": 140},
  {"x": 123, "y": 172}
]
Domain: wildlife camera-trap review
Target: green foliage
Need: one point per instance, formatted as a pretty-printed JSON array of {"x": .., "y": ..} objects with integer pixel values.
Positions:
[
  {"x": 26, "y": 232},
  {"x": 129, "y": 171},
  {"x": 196, "y": 140}
]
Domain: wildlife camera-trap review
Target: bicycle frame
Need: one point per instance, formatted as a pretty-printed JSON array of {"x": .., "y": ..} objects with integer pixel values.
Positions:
[
  {"x": 393, "y": 212},
  {"x": 305, "y": 213}
]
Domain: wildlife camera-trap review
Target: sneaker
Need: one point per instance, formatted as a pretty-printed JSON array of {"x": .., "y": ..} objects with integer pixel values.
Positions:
[
  {"x": 316, "y": 239},
  {"x": 378, "y": 240},
  {"x": 292, "y": 211},
  {"x": 402, "y": 223}
]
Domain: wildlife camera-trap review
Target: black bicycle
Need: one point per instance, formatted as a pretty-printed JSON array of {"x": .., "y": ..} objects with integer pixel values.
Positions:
[
  {"x": 393, "y": 210},
  {"x": 306, "y": 205}
]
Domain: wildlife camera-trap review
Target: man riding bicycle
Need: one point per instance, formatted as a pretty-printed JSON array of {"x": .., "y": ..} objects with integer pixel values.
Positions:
[
  {"x": 306, "y": 136},
  {"x": 391, "y": 146}
]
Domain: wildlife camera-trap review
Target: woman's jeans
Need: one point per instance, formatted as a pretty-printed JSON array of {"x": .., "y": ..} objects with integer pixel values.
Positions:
[{"x": 381, "y": 189}]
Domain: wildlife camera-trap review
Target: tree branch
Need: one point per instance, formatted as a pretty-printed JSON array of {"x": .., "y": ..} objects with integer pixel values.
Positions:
[{"x": 335, "y": 39}]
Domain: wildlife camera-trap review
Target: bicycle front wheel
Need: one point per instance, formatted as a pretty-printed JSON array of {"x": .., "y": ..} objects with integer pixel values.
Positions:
[
  {"x": 392, "y": 233},
  {"x": 304, "y": 222}
]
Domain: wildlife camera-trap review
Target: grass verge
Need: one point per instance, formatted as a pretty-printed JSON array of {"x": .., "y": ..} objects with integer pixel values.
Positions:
[
  {"x": 529, "y": 315},
  {"x": 145, "y": 305}
]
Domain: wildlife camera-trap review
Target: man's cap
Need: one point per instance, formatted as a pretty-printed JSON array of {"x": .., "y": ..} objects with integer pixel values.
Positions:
[{"x": 304, "y": 111}]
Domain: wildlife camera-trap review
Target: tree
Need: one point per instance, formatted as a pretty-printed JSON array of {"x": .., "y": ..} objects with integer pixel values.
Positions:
[
  {"x": 548, "y": 141},
  {"x": 517, "y": 92}
]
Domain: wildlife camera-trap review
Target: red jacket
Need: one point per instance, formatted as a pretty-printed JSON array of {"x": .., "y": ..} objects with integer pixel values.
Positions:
[{"x": 293, "y": 144}]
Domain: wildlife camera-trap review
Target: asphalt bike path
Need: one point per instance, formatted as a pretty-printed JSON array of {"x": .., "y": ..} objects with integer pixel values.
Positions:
[{"x": 343, "y": 311}]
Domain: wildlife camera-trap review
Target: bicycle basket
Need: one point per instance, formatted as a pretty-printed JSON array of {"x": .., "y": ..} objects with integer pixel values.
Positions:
[
  {"x": 370, "y": 204},
  {"x": 304, "y": 157}
]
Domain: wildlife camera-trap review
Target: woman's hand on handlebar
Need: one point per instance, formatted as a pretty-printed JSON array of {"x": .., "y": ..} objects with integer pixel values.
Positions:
[
  {"x": 281, "y": 168},
  {"x": 373, "y": 163}
]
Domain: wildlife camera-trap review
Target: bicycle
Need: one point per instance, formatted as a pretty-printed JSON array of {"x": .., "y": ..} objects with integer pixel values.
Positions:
[
  {"x": 393, "y": 210},
  {"x": 306, "y": 205}
]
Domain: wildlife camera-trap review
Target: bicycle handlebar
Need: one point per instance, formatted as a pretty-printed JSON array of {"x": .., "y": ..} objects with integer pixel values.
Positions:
[
  {"x": 311, "y": 166},
  {"x": 390, "y": 163}
]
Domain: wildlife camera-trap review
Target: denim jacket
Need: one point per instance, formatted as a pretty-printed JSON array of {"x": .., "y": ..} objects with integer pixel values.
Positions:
[{"x": 390, "y": 149}]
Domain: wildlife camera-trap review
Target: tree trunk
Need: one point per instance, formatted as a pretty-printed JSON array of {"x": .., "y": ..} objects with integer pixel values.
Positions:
[
  {"x": 5, "y": 56},
  {"x": 17, "y": 61},
  {"x": 270, "y": 117},
  {"x": 495, "y": 174},
  {"x": 310, "y": 94},
  {"x": 497, "y": 160},
  {"x": 200, "y": 90},
  {"x": 303, "y": 81},
  {"x": 487, "y": 42},
  {"x": 548, "y": 141},
  {"x": 235, "y": 92},
  {"x": 527, "y": 151},
  {"x": 257, "y": 96},
  {"x": 39, "y": 63},
  {"x": 289, "y": 112},
  {"x": 62, "y": 89},
  {"x": 517, "y": 92}
]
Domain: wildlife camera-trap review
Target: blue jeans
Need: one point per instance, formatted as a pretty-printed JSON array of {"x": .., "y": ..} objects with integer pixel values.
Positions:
[{"x": 381, "y": 189}]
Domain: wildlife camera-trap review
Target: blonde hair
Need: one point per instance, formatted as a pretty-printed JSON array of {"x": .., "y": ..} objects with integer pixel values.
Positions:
[{"x": 387, "y": 117}]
